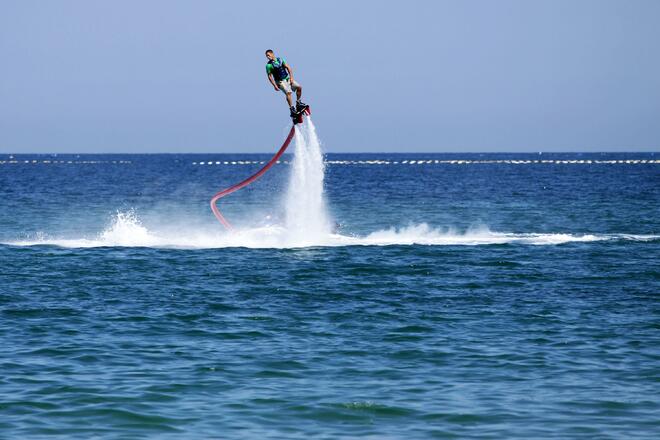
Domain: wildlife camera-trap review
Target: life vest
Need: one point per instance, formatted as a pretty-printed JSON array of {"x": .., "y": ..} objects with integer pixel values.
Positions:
[{"x": 278, "y": 70}]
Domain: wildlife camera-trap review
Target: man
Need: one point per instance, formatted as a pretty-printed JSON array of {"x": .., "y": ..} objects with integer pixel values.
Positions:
[{"x": 280, "y": 76}]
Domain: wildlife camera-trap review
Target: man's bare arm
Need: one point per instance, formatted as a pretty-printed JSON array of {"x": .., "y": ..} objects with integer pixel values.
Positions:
[
  {"x": 272, "y": 81},
  {"x": 288, "y": 69}
]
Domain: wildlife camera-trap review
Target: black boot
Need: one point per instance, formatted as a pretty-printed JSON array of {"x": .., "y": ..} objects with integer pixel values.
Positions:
[
  {"x": 293, "y": 111},
  {"x": 300, "y": 106}
]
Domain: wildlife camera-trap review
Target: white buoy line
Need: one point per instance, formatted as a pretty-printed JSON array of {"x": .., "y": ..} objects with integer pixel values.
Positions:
[
  {"x": 359, "y": 162},
  {"x": 450, "y": 162},
  {"x": 57, "y": 162}
]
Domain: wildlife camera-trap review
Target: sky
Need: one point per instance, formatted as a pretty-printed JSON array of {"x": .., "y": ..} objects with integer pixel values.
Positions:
[{"x": 188, "y": 76}]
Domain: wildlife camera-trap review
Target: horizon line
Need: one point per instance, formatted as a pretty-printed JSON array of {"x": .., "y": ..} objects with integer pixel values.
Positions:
[{"x": 337, "y": 152}]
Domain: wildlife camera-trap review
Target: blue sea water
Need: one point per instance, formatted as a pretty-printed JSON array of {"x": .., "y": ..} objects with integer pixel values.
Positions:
[{"x": 459, "y": 296}]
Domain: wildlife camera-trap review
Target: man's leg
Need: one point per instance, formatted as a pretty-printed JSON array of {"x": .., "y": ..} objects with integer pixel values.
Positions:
[
  {"x": 292, "y": 109},
  {"x": 298, "y": 89},
  {"x": 285, "y": 87}
]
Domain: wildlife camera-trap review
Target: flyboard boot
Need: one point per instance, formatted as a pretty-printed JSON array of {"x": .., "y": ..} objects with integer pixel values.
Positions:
[
  {"x": 300, "y": 110},
  {"x": 301, "y": 106}
]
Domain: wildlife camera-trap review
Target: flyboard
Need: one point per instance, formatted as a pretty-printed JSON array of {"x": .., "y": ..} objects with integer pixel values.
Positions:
[{"x": 297, "y": 118}]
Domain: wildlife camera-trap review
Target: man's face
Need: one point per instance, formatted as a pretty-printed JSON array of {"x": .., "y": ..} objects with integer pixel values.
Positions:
[{"x": 270, "y": 56}]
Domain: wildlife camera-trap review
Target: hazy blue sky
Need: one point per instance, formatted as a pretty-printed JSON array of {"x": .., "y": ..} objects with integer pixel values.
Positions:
[{"x": 462, "y": 75}]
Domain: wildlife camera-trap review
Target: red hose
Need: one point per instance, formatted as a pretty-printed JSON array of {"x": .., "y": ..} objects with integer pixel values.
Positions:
[{"x": 249, "y": 180}]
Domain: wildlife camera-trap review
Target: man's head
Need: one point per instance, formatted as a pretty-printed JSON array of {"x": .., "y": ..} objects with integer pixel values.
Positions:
[{"x": 270, "y": 55}]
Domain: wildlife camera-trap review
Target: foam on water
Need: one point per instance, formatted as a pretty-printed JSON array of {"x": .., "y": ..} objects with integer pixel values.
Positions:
[{"x": 127, "y": 230}]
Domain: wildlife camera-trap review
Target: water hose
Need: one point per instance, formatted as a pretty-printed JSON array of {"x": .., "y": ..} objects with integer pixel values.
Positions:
[{"x": 249, "y": 180}]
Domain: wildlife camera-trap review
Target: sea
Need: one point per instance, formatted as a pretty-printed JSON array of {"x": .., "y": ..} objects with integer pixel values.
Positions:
[{"x": 371, "y": 296}]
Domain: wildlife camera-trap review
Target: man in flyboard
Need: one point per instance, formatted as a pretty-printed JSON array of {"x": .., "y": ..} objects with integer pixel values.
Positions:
[{"x": 280, "y": 76}]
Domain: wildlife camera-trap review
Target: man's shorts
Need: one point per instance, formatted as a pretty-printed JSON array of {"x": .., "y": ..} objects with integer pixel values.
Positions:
[{"x": 287, "y": 86}]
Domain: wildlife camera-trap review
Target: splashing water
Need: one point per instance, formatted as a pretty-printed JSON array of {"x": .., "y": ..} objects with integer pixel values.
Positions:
[
  {"x": 126, "y": 230},
  {"x": 307, "y": 220}
]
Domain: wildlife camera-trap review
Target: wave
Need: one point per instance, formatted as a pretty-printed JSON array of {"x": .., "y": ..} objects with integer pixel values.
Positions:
[{"x": 127, "y": 230}]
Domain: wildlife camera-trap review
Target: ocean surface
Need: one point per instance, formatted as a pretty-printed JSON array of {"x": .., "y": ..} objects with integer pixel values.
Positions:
[{"x": 471, "y": 296}]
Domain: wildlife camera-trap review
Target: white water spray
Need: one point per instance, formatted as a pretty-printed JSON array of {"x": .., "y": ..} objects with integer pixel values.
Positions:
[{"x": 306, "y": 214}]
